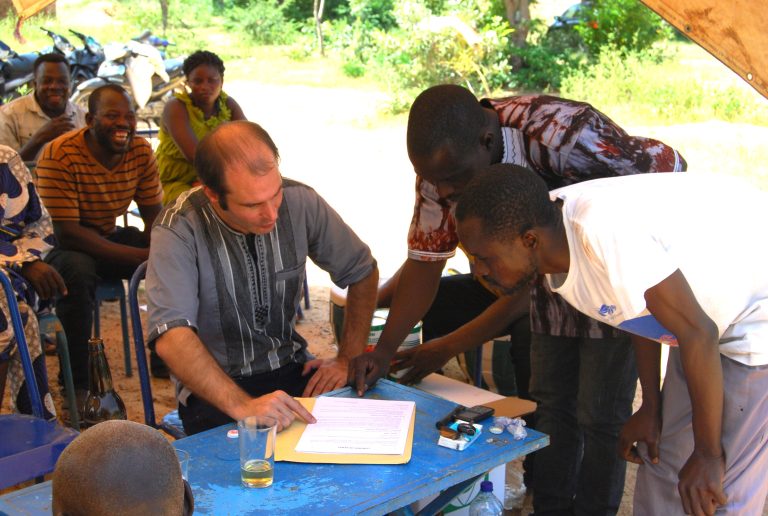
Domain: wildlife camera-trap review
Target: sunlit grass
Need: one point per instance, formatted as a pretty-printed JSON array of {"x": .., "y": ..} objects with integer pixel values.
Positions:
[
  {"x": 689, "y": 86},
  {"x": 731, "y": 148},
  {"x": 274, "y": 65}
]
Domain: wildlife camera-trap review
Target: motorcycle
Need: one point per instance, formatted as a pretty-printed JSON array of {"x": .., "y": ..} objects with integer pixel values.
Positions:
[
  {"x": 61, "y": 44},
  {"x": 140, "y": 69},
  {"x": 159, "y": 43},
  {"x": 87, "y": 59},
  {"x": 16, "y": 73},
  {"x": 83, "y": 62}
]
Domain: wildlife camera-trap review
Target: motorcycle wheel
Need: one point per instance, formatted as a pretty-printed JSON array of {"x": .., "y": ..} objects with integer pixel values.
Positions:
[
  {"x": 80, "y": 74},
  {"x": 80, "y": 98}
]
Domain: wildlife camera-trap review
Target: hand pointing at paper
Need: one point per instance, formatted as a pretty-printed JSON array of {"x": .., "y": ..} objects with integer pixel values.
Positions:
[{"x": 280, "y": 406}]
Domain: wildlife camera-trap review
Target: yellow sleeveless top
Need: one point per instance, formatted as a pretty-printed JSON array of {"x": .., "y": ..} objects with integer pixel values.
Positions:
[{"x": 176, "y": 173}]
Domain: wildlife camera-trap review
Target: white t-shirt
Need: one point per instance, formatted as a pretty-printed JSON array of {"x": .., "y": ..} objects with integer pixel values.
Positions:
[{"x": 628, "y": 234}]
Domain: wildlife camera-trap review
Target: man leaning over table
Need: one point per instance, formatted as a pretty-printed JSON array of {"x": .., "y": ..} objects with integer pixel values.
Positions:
[
  {"x": 691, "y": 275},
  {"x": 580, "y": 369},
  {"x": 224, "y": 280}
]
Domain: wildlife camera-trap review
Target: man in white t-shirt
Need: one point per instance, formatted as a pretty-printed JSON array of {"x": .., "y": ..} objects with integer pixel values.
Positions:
[{"x": 673, "y": 259}]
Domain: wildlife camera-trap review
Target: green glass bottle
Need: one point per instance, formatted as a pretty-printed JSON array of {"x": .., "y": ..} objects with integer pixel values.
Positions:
[{"x": 102, "y": 402}]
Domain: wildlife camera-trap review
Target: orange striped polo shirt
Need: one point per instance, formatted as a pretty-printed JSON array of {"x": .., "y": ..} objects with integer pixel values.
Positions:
[{"x": 74, "y": 186}]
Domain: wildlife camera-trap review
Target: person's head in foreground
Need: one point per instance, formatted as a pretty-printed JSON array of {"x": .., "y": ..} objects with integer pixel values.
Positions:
[
  {"x": 507, "y": 221},
  {"x": 238, "y": 165},
  {"x": 120, "y": 467},
  {"x": 451, "y": 136}
]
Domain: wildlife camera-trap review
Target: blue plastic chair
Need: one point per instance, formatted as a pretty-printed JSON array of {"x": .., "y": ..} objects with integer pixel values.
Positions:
[
  {"x": 111, "y": 289},
  {"x": 30, "y": 445},
  {"x": 171, "y": 422},
  {"x": 51, "y": 325},
  {"x": 305, "y": 295}
]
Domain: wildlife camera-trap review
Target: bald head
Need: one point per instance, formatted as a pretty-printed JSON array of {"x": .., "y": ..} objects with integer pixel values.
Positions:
[
  {"x": 240, "y": 144},
  {"x": 118, "y": 467}
]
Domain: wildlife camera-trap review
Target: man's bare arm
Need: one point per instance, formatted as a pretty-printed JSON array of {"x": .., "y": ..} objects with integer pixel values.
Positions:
[
  {"x": 645, "y": 424},
  {"x": 149, "y": 213},
  {"x": 431, "y": 356},
  {"x": 50, "y": 130},
  {"x": 194, "y": 366},
  {"x": 358, "y": 313},
  {"x": 332, "y": 373},
  {"x": 416, "y": 289},
  {"x": 674, "y": 305}
]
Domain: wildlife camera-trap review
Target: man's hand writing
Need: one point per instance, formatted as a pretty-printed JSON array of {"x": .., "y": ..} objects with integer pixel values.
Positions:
[
  {"x": 278, "y": 405},
  {"x": 365, "y": 369},
  {"x": 330, "y": 374},
  {"x": 44, "y": 279},
  {"x": 422, "y": 360},
  {"x": 643, "y": 426},
  {"x": 701, "y": 484}
]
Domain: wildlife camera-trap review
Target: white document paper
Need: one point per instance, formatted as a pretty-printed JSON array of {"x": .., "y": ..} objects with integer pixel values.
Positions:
[{"x": 354, "y": 425}]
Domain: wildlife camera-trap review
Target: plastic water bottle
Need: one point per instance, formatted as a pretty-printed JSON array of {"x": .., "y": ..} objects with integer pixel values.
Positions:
[{"x": 486, "y": 503}]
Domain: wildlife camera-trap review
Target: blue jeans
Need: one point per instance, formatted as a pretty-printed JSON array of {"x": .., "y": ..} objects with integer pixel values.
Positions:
[{"x": 584, "y": 388}]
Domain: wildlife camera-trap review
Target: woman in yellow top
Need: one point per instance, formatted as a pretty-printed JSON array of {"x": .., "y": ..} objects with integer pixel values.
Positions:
[{"x": 188, "y": 117}]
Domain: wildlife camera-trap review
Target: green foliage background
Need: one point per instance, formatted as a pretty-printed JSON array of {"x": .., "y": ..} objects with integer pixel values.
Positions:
[{"x": 622, "y": 57}]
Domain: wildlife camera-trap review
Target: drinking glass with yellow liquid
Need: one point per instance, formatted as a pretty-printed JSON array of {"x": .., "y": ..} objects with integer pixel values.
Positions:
[{"x": 257, "y": 435}]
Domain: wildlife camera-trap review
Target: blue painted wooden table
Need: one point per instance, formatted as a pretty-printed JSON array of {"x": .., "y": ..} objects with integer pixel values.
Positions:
[{"x": 214, "y": 471}]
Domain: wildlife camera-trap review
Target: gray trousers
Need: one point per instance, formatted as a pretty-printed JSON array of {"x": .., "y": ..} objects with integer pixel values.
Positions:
[{"x": 745, "y": 440}]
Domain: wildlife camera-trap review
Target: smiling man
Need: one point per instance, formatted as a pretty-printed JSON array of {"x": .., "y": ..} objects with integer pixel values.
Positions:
[
  {"x": 662, "y": 275},
  {"x": 87, "y": 179},
  {"x": 225, "y": 277},
  {"x": 29, "y": 122}
]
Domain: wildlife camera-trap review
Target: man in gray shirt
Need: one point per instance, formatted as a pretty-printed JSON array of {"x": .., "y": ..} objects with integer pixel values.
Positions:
[{"x": 225, "y": 273}]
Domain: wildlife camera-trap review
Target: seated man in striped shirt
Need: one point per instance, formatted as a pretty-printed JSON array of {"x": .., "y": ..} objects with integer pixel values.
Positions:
[{"x": 87, "y": 178}]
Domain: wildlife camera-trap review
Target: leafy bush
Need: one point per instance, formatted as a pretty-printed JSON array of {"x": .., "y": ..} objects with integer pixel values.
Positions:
[
  {"x": 468, "y": 47},
  {"x": 302, "y": 10},
  {"x": 546, "y": 59},
  {"x": 264, "y": 21},
  {"x": 373, "y": 14},
  {"x": 620, "y": 26},
  {"x": 624, "y": 25}
]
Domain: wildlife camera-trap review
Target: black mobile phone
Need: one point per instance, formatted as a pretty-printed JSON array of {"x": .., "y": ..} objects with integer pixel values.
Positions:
[
  {"x": 475, "y": 414},
  {"x": 450, "y": 418}
]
